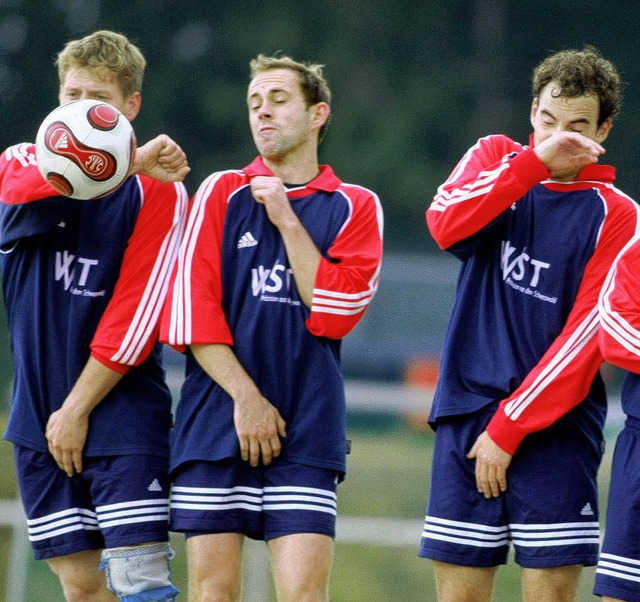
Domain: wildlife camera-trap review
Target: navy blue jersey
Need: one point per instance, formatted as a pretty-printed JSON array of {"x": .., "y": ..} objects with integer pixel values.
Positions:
[
  {"x": 81, "y": 278},
  {"x": 235, "y": 286},
  {"x": 534, "y": 255}
]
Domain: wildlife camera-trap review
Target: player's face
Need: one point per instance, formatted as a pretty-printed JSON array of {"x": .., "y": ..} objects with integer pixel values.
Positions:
[
  {"x": 551, "y": 114},
  {"x": 280, "y": 120},
  {"x": 82, "y": 83}
]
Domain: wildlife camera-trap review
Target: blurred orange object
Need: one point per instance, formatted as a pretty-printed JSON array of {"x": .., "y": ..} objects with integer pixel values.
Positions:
[{"x": 421, "y": 373}]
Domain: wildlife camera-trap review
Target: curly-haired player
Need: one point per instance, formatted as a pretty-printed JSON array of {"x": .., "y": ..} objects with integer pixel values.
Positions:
[{"x": 536, "y": 229}]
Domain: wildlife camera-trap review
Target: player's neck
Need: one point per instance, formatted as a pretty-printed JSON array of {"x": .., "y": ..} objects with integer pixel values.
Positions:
[{"x": 294, "y": 170}]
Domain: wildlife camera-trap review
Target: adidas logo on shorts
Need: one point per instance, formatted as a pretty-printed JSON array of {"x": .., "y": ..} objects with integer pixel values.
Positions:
[{"x": 155, "y": 486}]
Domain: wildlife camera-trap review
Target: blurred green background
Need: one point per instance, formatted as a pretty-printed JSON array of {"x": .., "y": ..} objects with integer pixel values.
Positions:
[{"x": 415, "y": 84}]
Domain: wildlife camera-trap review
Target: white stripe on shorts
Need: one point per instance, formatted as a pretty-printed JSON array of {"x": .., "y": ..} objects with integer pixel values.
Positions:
[
  {"x": 532, "y": 536},
  {"x": 255, "y": 499},
  {"x": 73, "y": 519},
  {"x": 133, "y": 512},
  {"x": 555, "y": 534},
  {"x": 300, "y": 498},
  {"x": 215, "y": 498},
  {"x": 470, "y": 534},
  {"x": 619, "y": 566}
]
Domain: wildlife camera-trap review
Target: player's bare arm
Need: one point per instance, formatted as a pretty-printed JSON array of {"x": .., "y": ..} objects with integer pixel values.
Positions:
[
  {"x": 67, "y": 428},
  {"x": 567, "y": 152},
  {"x": 162, "y": 159},
  {"x": 491, "y": 466},
  {"x": 302, "y": 252},
  {"x": 258, "y": 423}
]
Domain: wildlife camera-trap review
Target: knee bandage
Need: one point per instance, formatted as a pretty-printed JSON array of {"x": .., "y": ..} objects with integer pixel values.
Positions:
[{"x": 140, "y": 573}]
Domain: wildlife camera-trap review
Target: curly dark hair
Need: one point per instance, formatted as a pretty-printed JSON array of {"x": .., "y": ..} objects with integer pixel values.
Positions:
[{"x": 581, "y": 73}]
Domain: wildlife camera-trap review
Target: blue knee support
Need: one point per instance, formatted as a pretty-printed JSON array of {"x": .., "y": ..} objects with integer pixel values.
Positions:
[{"x": 140, "y": 573}]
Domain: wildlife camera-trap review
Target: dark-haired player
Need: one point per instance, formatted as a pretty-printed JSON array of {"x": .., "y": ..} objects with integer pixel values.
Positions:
[{"x": 536, "y": 229}]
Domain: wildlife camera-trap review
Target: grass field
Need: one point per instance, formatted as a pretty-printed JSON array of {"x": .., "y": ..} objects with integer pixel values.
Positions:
[{"x": 388, "y": 477}]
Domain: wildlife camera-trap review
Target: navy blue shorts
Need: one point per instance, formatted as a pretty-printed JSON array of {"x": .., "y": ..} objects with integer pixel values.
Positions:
[
  {"x": 115, "y": 501},
  {"x": 265, "y": 502},
  {"x": 549, "y": 512},
  {"x": 618, "y": 572}
]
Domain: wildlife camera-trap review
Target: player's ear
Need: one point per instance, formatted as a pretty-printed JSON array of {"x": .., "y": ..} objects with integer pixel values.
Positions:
[
  {"x": 534, "y": 110},
  {"x": 132, "y": 105},
  {"x": 603, "y": 131},
  {"x": 320, "y": 114}
]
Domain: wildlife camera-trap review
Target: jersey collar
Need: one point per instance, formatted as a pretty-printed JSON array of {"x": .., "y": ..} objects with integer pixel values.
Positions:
[{"x": 326, "y": 180}]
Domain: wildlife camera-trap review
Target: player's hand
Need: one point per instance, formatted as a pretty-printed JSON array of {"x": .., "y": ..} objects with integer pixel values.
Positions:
[
  {"x": 161, "y": 159},
  {"x": 564, "y": 154},
  {"x": 271, "y": 192},
  {"x": 66, "y": 434},
  {"x": 259, "y": 427},
  {"x": 491, "y": 466}
]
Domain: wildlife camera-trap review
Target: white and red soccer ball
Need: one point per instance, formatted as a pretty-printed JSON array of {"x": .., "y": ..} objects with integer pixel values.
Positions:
[{"x": 85, "y": 148}]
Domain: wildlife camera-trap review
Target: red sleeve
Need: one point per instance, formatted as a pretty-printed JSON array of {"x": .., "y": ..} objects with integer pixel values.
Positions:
[
  {"x": 194, "y": 311},
  {"x": 619, "y": 307},
  {"x": 128, "y": 329},
  {"x": 345, "y": 286},
  {"x": 563, "y": 376},
  {"x": 493, "y": 174},
  {"x": 18, "y": 165}
]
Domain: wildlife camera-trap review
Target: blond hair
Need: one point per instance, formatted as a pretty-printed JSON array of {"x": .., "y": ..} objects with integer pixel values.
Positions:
[{"x": 104, "y": 53}]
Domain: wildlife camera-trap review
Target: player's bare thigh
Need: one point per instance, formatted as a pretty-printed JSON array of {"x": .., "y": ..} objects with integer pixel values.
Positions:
[
  {"x": 555, "y": 584},
  {"x": 215, "y": 566},
  {"x": 80, "y": 577},
  {"x": 456, "y": 583},
  {"x": 302, "y": 565}
]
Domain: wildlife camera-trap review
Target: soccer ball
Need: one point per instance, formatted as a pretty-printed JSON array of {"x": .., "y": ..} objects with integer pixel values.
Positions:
[{"x": 85, "y": 149}]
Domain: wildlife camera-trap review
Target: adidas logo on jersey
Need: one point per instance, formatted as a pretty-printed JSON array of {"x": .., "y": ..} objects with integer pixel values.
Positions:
[
  {"x": 587, "y": 510},
  {"x": 247, "y": 240},
  {"x": 155, "y": 486}
]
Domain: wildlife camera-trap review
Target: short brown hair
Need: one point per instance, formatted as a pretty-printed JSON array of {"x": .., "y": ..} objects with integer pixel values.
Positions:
[
  {"x": 105, "y": 52},
  {"x": 314, "y": 85},
  {"x": 581, "y": 73}
]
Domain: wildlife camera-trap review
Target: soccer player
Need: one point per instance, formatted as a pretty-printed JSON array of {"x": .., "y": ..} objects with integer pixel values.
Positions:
[
  {"x": 279, "y": 262},
  {"x": 84, "y": 283},
  {"x": 618, "y": 571},
  {"x": 536, "y": 228}
]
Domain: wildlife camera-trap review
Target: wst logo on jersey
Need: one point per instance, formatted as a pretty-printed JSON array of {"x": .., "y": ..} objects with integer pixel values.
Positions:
[
  {"x": 521, "y": 272},
  {"x": 65, "y": 270},
  {"x": 270, "y": 283}
]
